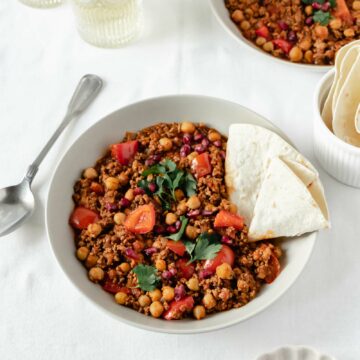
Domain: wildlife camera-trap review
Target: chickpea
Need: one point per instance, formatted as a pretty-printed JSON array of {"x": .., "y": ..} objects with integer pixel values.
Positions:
[
  {"x": 90, "y": 173},
  {"x": 245, "y": 25},
  {"x": 224, "y": 271},
  {"x": 155, "y": 295},
  {"x": 119, "y": 218},
  {"x": 125, "y": 267},
  {"x": 82, "y": 253},
  {"x": 156, "y": 309},
  {"x": 209, "y": 301},
  {"x": 121, "y": 298},
  {"x": 214, "y": 136},
  {"x": 268, "y": 46},
  {"x": 168, "y": 293},
  {"x": 181, "y": 208},
  {"x": 129, "y": 195},
  {"x": 96, "y": 274},
  {"x": 112, "y": 183},
  {"x": 249, "y": 12},
  {"x": 191, "y": 232},
  {"x": 321, "y": 32},
  {"x": 193, "y": 284},
  {"x": 335, "y": 24},
  {"x": 232, "y": 208},
  {"x": 179, "y": 195},
  {"x": 165, "y": 143},
  {"x": 187, "y": 127},
  {"x": 91, "y": 261},
  {"x": 356, "y": 5},
  {"x": 305, "y": 44},
  {"x": 260, "y": 41},
  {"x": 94, "y": 229},
  {"x": 349, "y": 32},
  {"x": 160, "y": 264},
  {"x": 123, "y": 179},
  {"x": 192, "y": 156},
  {"x": 237, "y": 16},
  {"x": 199, "y": 312},
  {"x": 193, "y": 202},
  {"x": 144, "y": 300},
  {"x": 295, "y": 54},
  {"x": 308, "y": 10},
  {"x": 171, "y": 218},
  {"x": 308, "y": 56}
]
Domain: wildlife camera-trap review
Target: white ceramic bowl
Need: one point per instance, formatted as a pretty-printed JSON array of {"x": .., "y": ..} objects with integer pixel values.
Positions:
[
  {"x": 222, "y": 15},
  {"x": 338, "y": 158},
  {"x": 87, "y": 149},
  {"x": 294, "y": 353}
]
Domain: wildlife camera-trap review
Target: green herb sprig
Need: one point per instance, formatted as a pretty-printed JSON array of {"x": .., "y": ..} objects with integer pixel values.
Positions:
[
  {"x": 177, "y": 236},
  {"x": 320, "y": 16},
  {"x": 146, "y": 276}
]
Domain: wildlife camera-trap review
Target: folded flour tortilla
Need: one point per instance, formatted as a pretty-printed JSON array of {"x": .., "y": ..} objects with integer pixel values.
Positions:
[{"x": 250, "y": 152}]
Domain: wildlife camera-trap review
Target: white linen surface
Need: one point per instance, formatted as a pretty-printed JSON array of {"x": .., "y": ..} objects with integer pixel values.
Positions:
[{"x": 183, "y": 50}]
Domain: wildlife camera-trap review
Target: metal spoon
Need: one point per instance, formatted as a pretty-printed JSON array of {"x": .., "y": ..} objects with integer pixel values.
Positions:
[{"x": 17, "y": 202}]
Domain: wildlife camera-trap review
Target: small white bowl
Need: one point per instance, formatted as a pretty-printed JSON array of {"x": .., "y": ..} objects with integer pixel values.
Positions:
[
  {"x": 294, "y": 353},
  {"x": 338, "y": 158},
  {"x": 222, "y": 15},
  {"x": 86, "y": 150}
]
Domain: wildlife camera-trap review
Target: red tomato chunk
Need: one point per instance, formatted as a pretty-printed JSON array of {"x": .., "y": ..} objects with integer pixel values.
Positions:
[
  {"x": 125, "y": 152},
  {"x": 225, "y": 218},
  {"x": 177, "y": 308},
  {"x": 81, "y": 217},
  {"x": 141, "y": 220}
]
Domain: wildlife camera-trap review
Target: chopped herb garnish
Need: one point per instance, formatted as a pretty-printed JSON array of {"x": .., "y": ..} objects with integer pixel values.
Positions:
[
  {"x": 177, "y": 236},
  {"x": 206, "y": 247},
  {"x": 168, "y": 180},
  {"x": 146, "y": 276},
  {"x": 322, "y": 17}
]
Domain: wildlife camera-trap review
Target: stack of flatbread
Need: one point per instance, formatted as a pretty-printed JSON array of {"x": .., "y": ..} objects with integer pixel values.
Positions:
[{"x": 275, "y": 188}]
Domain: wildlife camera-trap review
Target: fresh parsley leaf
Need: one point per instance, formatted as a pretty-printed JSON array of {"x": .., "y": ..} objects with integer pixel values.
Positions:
[
  {"x": 177, "y": 236},
  {"x": 322, "y": 17},
  {"x": 190, "y": 246},
  {"x": 189, "y": 185},
  {"x": 144, "y": 184},
  {"x": 206, "y": 247},
  {"x": 169, "y": 164},
  {"x": 155, "y": 169},
  {"x": 146, "y": 276},
  {"x": 332, "y": 3},
  {"x": 309, "y": 2}
]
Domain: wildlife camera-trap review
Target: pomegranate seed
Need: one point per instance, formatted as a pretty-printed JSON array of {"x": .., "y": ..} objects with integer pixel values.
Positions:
[
  {"x": 283, "y": 25},
  {"x": 187, "y": 139},
  {"x": 199, "y": 148},
  {"x": 193, "y": 213},
  {"x": 180, "y": 292},
  {"x": 124, "y": 203},
  {"x": 325, "y": 7},
  {"x": 218, "y": 143},
  {"x": 205, "y": 143},
  {"x": 152, "y": 187},
  {"x": 131, "y": 254},
  {"x": 111, "y": 207},
  {"x": 153, "y": 159},
  {"x": 171, "y": 229},
  {"x": 173, "y": 271},
  {"x": 316, "y": 6},
  {"x": 151, "y": 250},
  {"x": 292, "y": 36},
  {"x": 159, "y": 229},
  {"x": 207, "y": 212},
  {"x": 309, "y": 21},
  {"x": 198, "y": 136},
  {"x": 166, "y": 275},
  {"x": 178, "y": 225},
  {"x": 185, "y": 150},
  {"x": 226, "y": 240},
  {"x": 139, "y": 191},
  {"x": 204, "y": 274}
]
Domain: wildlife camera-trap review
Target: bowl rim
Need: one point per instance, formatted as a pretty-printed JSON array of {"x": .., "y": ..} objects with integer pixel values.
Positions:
[
  {"x": 242, "y": 40},
  {"x": 312, "y": 236},
  {"x": 322, "y": 88}
]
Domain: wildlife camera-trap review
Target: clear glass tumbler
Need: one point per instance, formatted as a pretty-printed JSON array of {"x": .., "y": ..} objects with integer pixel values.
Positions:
[
  {"x": 108, "y": 23},
  {"x": 42, "y": 3}
]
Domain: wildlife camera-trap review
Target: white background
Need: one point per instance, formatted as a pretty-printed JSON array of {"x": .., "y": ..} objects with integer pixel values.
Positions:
[{"x": 183, "y": 50}]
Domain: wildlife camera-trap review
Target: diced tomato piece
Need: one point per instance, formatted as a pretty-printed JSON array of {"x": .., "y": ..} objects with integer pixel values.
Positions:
[
  {"x": 225, "y": 255},
  {"x": 184, "y": 269},
  {"x": 96, "y": 188},
  {"x": 81, "y": 217},
  {"x": 141, "y": 220},
  {"x": 226, "y": 218},
  {"x": 177, "y": 247},
  {"x": 201, "y": 165},
  {"x": 177, "y": 308},
  {"x": 342, "y": 11},
  {"x": 284, "y": 45},
  {"x": 125, "y": 152},
  {"x": 274, "y": 265},
  {"x": 263, "y": 31},
  {"x": 114, "y": 288}
]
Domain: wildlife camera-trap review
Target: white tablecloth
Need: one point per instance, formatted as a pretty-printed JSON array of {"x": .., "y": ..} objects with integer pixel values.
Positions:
[{"x": 183, "y": 50}]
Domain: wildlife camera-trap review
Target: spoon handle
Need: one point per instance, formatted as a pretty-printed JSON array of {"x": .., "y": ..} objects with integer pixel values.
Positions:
[{"x": 86, "y": 91}]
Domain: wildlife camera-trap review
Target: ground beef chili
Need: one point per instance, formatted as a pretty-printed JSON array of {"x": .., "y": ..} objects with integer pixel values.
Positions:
[
  {"x": 303, "y": 31},
  {"x": 122, "y": 227}
]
